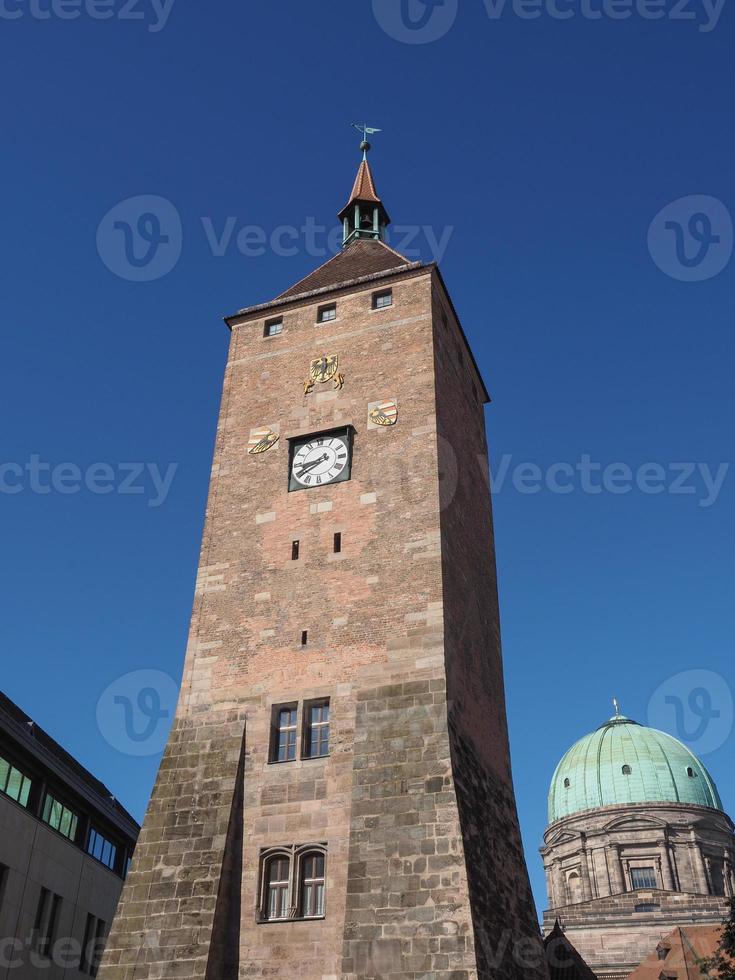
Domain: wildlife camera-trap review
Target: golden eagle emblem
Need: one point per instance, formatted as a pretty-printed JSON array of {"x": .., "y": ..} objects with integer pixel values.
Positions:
[
  {"x": 261, "y": 440},
  {"x": 384, "y": 413},
  {"x": 323, "y": 369}
]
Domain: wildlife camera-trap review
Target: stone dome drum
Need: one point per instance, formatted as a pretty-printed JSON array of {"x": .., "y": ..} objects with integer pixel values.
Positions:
[{"x": 624, "y": 762}]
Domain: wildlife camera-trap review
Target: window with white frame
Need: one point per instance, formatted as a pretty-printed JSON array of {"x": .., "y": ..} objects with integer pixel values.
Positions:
[
  {"x": 284, "y": 734},
  {"x": 277, "y": 887},
  {"x": 293, "y": 883},
  {"x": 313, "y": 884},
  {"x": 316, "y": 729},
  {"x": 327, "y": 313}
]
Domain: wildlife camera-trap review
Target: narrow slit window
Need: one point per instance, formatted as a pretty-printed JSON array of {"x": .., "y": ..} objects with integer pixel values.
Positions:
[
  {"x": 304, "y": 637},
  {"x": 338, "y": 542},
  {"x": 295, "y": 549}
]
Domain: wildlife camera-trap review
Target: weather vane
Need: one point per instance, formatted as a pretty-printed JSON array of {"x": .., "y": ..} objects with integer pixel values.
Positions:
[
  {"x": 366, "y": 131},
  {"x": 616, "y": 705}
]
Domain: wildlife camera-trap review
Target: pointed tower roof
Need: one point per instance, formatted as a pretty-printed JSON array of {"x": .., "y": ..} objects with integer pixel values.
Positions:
[
  {"x": 363, "y": 190},
  {"x": 364, "y": 215}
]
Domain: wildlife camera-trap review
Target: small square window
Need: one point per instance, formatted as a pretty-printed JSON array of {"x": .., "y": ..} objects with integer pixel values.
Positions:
[
  {"x": 382, "y": 299},
  {"x": 327, "y": 313},
  {"x": 273, "y": 327}
]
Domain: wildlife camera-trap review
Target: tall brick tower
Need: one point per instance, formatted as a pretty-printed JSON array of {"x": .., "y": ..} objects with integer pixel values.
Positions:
[{"x": 336, "y": 798}]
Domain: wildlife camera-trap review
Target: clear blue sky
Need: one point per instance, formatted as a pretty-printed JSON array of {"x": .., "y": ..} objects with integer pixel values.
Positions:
[{"x": 548, "y": 147}]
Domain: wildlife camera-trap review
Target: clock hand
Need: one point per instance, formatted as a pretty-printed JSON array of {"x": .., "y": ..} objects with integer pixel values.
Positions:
[{"x": 312, "y": 464}]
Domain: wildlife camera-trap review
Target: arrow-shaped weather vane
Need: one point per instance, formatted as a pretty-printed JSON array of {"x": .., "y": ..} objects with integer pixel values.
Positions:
[{"x": 366, "y": 131}]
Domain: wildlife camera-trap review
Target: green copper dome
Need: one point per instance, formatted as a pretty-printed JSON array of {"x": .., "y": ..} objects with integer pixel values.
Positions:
[{"x": 624, "y": 762}]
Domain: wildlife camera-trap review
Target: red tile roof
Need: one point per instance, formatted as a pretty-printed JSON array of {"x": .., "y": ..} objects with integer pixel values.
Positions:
[
  {"x": 685, "y": 947},
  {"x": 364, "y": 187},
  {"x": 363, "y": 257}
]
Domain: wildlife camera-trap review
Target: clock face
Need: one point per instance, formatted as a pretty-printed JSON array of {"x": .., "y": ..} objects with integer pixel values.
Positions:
[{"x": 320, "y": 460}]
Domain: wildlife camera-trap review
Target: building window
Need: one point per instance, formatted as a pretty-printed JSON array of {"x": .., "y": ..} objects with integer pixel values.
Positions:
[
  {"x": 627, "y": 770},
  {"x": 382, "y": 299},
  {"x": 313, "y": 884},
  {"x": 327, "y": 313},
  {"x": 273, "y": 327},
  {"x": 93, "y": 945},
  {"x": 101, "y": 849},
  {"x": 60, "y": 817},
  {"x": 567, "y": 783},
  {"x": 295, "y": 549},
  {"x": 14, "y": 783},
  {"x": 283, "y": 747},
  {"x": 338, "y": 542},
  {"x": 47, "y": 919},
  {"x": 277, "y": 887},
  {"x": 643, "y": 878},
  {"x": 316, "y": 729},
  {"x": 646, "y": 907},
  {"x": 293, "y": 883},
  {"x": 691, "y": 773}
]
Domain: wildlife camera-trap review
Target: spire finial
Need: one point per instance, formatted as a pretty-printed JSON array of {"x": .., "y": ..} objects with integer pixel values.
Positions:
[
  {"x": 616, "y": 705},
  {"x": 366, "y": 131}
]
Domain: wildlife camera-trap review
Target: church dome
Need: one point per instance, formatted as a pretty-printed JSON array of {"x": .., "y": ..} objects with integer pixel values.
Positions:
[{"x": 624, "y": 762}]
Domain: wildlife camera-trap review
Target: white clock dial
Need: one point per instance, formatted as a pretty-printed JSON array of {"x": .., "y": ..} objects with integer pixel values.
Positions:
[{"x": 320, "y": 461}]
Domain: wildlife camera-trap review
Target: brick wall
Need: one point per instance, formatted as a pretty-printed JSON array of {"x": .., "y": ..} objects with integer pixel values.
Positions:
[{"x": 406, "y": 799}]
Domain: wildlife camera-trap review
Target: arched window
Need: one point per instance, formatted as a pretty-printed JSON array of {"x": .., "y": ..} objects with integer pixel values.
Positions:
[
  {"x": 691, "y": 773},
  {"x": 627, "y": 770},
  {"x": 277, "y": 887},
  {"x": 312, "y": 885},
  {"x": 567, "y": 783}
]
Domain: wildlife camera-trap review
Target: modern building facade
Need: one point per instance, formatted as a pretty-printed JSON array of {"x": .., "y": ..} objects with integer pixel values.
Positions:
[
  {"x": 336, "y": 797},
  {"x": 637, "y": 845},
  {"x": 65, "y": 845}
]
